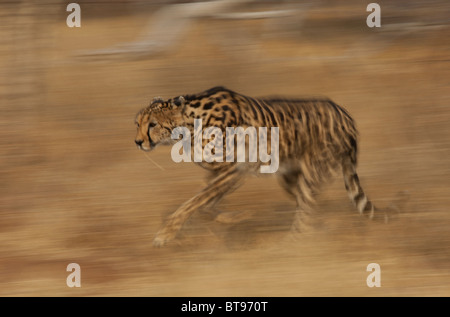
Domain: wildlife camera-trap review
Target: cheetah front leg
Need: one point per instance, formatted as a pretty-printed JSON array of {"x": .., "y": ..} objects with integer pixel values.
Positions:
[
  {"x": 219, "y": 186},
  {"x": 210, "y": 207}
]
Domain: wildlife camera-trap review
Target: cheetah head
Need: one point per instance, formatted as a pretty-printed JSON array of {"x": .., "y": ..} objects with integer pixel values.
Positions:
[{"x": 155, "y": 122}]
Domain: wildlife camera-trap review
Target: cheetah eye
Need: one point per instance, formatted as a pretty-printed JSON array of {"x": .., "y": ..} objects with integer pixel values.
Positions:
[
  {"x": 137, "y": 124},
  {"x": 152, "y": 124}
]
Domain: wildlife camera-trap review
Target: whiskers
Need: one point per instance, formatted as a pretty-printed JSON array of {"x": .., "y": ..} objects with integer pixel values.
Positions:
[{"x": 156, "y": 164}]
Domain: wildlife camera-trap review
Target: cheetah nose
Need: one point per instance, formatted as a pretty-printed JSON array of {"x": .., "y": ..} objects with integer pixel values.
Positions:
[{"x": 139, "y": 142}]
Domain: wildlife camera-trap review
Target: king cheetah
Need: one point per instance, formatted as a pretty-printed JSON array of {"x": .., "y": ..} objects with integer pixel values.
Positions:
[{"x": 317, "y": 138}]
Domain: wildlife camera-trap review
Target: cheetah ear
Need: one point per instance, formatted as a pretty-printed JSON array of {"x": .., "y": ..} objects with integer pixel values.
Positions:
[
  {"x": 178, "y": 102},
  {"x": 157, "y": 99}
]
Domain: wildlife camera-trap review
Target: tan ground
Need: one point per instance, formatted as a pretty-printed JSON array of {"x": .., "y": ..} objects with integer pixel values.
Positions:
[{"x": 75, "y": 189}]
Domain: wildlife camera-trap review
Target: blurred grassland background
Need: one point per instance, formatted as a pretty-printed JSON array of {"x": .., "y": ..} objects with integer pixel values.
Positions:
[{"x": 74, "y": 188}]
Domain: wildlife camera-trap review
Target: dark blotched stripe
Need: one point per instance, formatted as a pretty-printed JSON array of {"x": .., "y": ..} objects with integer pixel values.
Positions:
[
  {"x": 269, "y": 111},
  {"x": 195, "y": 104},
  {"x": 208, "y": 105},
  {"x": 358, "y": 198},
  {"x": 253, "y": 103},
  {"x": 213, "y": 117},
  {"x": 369, "y": 206}
]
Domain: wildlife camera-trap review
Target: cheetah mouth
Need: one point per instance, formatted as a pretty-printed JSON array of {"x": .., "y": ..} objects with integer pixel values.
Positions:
[{"x": 145, "y": 148}]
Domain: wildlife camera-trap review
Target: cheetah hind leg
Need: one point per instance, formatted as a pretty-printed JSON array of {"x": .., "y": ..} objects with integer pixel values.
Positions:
[{"x": 295, "y": 185}]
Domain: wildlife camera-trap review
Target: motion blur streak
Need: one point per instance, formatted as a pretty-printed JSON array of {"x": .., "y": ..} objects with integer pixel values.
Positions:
[{"x": 74, "y": 188}]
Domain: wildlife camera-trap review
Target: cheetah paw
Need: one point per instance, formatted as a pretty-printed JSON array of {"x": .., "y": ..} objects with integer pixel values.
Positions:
[{"x": 162, "y": 238}]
